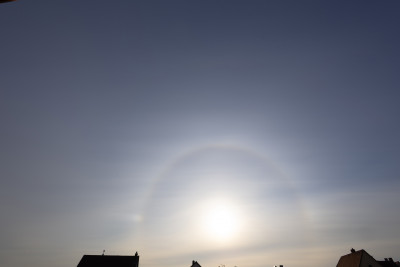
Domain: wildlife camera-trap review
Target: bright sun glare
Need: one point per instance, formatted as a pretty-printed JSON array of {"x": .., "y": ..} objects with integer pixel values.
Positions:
[{"x": 221, "y": 221}]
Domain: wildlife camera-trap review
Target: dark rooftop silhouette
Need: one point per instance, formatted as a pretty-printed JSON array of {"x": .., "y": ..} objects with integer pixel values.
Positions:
[
  {"x": 358, "y": 258},
  {"x": 195, "y": 264},
  {"x": 361, "y": 258},
  {"x": 388, "y": 262},
  {"x": 109, "y": 261}
]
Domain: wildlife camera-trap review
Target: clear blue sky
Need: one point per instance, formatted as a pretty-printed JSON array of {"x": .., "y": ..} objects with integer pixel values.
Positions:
[{"x": 242, "y": 133}]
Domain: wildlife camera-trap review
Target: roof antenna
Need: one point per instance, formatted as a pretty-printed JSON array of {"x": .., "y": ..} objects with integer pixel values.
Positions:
[{"x": 103, "y": 252}]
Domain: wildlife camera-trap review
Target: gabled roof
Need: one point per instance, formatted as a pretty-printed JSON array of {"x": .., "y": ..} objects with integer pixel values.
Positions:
[
  {"x": 109, "y": 261},
  {"x": 357, "y": 259},
  {"x": 195, "y": 264},
  {"x": 350, "y": 260}
]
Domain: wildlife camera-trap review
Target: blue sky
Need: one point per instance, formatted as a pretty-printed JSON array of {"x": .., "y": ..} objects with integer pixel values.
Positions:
[{"x": 128, "y": 125}]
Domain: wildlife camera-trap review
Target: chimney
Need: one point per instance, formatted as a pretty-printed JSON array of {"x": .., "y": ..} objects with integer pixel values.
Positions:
[
  {"x": 390, "y": 259},
  {"x": 136, "y": 260},
  {"x": 352, "y": 250}
]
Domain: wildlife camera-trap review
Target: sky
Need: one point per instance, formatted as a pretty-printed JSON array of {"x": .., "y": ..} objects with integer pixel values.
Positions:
[{"x": 233, "y": 133}]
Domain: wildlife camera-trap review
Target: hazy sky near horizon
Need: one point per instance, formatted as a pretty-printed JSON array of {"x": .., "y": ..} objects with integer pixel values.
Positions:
[{"x": 236, "y": 133}]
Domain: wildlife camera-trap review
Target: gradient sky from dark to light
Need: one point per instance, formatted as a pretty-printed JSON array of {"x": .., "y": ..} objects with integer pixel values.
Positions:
[{"x": 119, "y": 119}]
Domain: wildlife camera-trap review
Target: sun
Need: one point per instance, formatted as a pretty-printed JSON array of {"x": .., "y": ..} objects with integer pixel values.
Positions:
[{"x": 221, "y": 221}]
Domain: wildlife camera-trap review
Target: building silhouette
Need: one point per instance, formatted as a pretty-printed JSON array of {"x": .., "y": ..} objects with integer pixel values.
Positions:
[
  {"x": 195, "y": 264},
  {"x": 361, "y": 258},
  {"x": 109, "y": 261}
]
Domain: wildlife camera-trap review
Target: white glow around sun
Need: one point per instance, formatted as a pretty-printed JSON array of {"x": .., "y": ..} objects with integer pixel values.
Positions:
[{"x": 221, "y": 221}]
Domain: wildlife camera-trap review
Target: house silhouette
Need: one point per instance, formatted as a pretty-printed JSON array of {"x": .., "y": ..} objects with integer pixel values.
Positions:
[
  {"x": 109, "y": 261},
  {"x": 195, "y": 264},
  {"x": 361, "y": 258}
]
